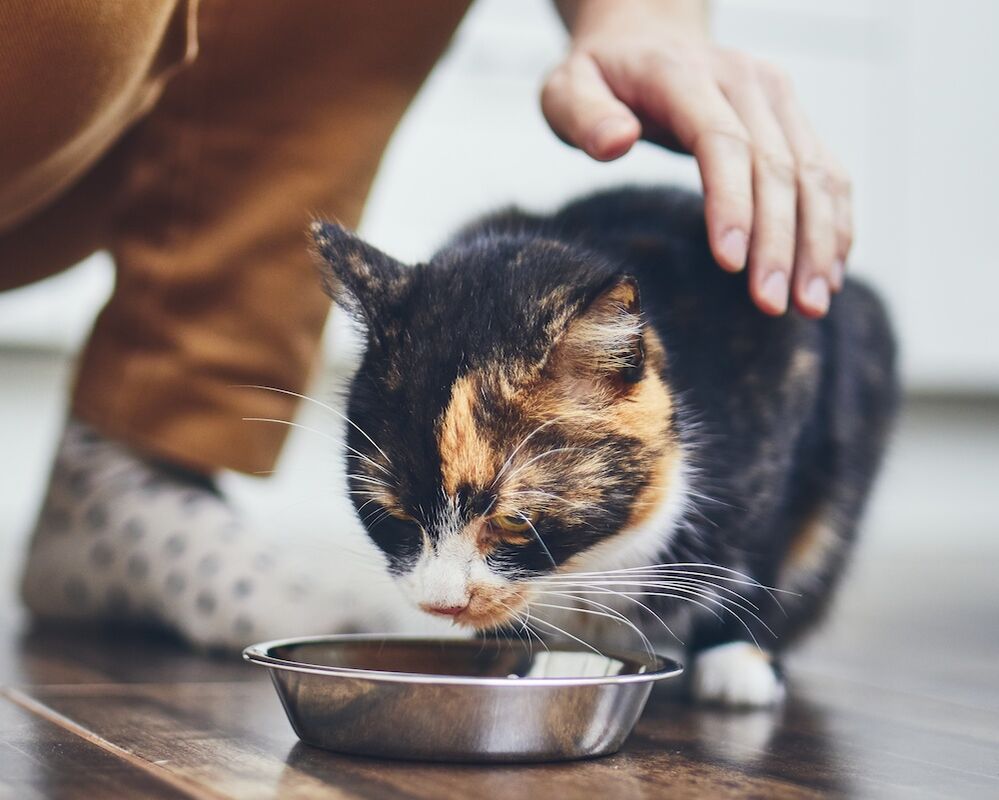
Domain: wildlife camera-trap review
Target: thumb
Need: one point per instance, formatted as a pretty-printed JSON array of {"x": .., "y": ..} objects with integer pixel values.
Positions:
[{"x": 583, "y": 111}]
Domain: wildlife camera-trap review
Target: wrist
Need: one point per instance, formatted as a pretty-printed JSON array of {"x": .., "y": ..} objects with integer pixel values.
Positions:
[{"x": 586, "y": 19}]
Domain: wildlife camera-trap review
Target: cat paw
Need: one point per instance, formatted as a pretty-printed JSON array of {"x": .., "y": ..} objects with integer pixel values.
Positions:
[{"x": 736, "y": 675}]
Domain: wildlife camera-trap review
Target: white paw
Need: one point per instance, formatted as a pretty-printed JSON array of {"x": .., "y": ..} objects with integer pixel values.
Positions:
[{"x": 736, "y": 674}]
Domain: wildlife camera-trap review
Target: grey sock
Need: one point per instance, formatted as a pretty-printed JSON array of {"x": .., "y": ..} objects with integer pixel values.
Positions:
[{"x": 122, "y": 538}]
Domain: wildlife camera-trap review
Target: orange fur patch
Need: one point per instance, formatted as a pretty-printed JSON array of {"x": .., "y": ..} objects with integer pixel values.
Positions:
[
  {"x": 491, "y": 605},
  {"x": 466, "y": 456},
  {"x": 811, "y": 545},
  {"x": 587, "y": 403}
]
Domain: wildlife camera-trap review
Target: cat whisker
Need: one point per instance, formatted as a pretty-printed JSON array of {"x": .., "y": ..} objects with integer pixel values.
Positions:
[
  {"x": 365, "y": 504},
  {"x": 546, "y": 454},
  {"x": 297, "y": 425},
  {"x": 684, "y": 579},
  {"x": 512, "y": 613},
  {"x": 377, "y": 516},
  {"x": 329, "y": 408},
  {"x": 359, "y": 455},
  {"x": 526, "y": 620},
  {"x": 523, "y": 627},
  {"x": 353, "y": 453},
  {"x": 715, "y": 581},
  {"x": 685, "y": 568},
  {"x": 699, "y": 583},
  {"x": 620, "y": 618},
  {"x": 727, "y": 603},
  {"x": 708, "y": 499},
  {"x": 367, "y": 479},
  {"x": 530, "y": 630},
  {"x": 525, "y": 440},
  {"x": 664, "y": 582},
  {"x": 669, "y": 565},
  {"x": 553, "y": 626},
  {"x": 629, "y": 597},
  {"x": 606, "y": 611},
  {"x": 576, "y": 505},
  {"x": 540, "y": 540}
]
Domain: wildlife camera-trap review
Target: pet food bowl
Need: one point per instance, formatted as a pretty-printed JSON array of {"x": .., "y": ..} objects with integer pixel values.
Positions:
[{"x": 458, "y": 699}]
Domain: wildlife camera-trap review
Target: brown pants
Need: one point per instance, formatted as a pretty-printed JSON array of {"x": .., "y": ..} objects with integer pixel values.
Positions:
[{"x": 193, "y": 141}]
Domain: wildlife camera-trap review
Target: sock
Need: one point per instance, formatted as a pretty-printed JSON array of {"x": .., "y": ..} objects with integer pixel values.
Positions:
[{"x": 122, "y": 538}]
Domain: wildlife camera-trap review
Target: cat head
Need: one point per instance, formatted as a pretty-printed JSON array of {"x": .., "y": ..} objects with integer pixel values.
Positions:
[{"x": 510, "y": 418}]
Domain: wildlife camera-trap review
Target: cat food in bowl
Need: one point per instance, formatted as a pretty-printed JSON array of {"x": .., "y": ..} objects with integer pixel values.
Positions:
[{"x": 458, "y": 699}]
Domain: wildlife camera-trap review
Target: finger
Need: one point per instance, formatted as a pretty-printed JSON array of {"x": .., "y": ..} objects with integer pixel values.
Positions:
[
  {"x": 690, "y": 104},
  {"x": 583, "y": 111},
  {"x": 815, "y": 248},
  {"x": 771, "y": 255},
  {"x": 843, "y": 220}
]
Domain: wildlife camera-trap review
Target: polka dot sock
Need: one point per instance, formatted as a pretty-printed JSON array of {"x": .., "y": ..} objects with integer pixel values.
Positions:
[{"x": 121, "y": 538}]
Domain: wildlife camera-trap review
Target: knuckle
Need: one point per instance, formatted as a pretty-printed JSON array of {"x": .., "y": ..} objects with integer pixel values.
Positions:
[
  {"x": 774, "y": 79},
  {"x": 655, "y": 62},
  {"x": 741, "y": 66},
  {"x": 776, "y": 165},
  {"x": 816, "y": 176},
  {"x": 728, "y": 134},
  {"x": 680, "y": 59}
]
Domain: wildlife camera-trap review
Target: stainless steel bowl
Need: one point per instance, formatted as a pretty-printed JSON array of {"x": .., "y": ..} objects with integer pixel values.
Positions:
[{"x": 458, "y": 699}]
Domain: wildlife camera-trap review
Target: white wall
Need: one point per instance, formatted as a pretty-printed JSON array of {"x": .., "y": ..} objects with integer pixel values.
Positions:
[{"x": 903, "y": 90}]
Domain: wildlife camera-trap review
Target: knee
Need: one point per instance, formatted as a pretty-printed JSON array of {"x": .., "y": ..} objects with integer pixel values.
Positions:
[{"x": 72, "y": 77}]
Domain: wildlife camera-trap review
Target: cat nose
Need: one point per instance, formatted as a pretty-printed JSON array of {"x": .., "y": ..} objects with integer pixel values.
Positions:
[{"x": 444, "y": 611}]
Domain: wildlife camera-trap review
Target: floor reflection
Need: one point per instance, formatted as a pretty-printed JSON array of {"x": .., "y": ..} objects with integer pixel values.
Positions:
[
  {"x": 610, "y": 777},
  {"x": 91, "y": 653},
  {"x": 789, "y": 745},
  {"x": 790, "y": 742}
]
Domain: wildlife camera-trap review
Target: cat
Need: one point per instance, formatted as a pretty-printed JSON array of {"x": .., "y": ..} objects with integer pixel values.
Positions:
[{"x": 582, "y": 410}]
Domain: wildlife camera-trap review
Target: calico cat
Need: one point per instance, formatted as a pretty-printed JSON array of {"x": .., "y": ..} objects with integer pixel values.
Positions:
[{"x": 583, "y": 411}]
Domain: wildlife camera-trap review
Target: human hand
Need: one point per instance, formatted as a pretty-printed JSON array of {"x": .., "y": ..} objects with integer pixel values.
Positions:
[{"x": 774, "y": 195}]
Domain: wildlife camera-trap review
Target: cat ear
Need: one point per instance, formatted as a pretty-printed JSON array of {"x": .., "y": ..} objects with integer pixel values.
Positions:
[
  {"x": 604, "y": 339},
  {"x": 356, "y": 275}
]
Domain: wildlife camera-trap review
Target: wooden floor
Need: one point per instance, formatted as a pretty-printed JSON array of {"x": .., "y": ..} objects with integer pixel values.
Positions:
[{"x": 899, "y": 697}]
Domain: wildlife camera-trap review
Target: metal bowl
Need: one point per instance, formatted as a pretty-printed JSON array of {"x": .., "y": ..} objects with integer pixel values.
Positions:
[{"x": 458, "y": 699}]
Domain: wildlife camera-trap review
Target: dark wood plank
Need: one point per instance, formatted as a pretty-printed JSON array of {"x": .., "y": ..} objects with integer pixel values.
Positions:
[
  {"x": 167, "y": 727},
  {"x": 40, "y": 759}
]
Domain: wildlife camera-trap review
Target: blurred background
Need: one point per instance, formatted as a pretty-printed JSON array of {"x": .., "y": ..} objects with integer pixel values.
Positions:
[{"x": 902, "y": 90}]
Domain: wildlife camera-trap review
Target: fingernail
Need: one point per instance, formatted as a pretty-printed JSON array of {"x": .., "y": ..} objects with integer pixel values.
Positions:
[
  {"x": 609, "y": 132},
  {"x": 838, "y": 273},
  {"x": 817, "y": 294},
  {"x": 733, "y": 247},
  {"x": 774, "y": 291}
]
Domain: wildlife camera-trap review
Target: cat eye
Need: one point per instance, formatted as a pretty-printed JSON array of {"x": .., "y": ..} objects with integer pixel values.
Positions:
[{"x": 512, "y": 523}]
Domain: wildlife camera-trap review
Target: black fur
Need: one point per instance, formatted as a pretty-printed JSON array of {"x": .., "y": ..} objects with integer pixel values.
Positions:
[{"x": 784, "y": 418}]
